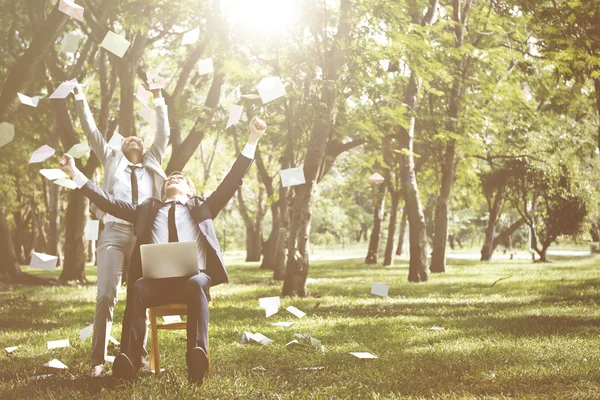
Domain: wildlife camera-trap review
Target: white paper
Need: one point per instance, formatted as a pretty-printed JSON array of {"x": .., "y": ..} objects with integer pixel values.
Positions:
[
  {"x": 284, "y": 325},
  {"x": 316, "y": 343},
  {"x": 42, "y": 154},
  {"x": 57, "y": 344},
  {"x": 55, "y": 364},
  {"x": 267, "y": 302},
  {"x": 79, "y": 150},
  {"x": 437, "y": 328},
  {"x": 270, "y": 89},
  {"x": 113, "y": 340},
  {"x": 116, "y": 141},
  {"x": 143, "y": 95},
  {"x": 302, "y": 336},
  {"x": 116, "y": 44},
  {"x": 71, "y": 9},
  {"x": 191, "y": 37},
  {"x": 66, "y": 183},
  {"x": 10, "y": 349},
  {"x": 85, "y": 332},
  {"x": 29, "y": 101},
  {"x": 170, "y": 319},
  {"x": 70, "y": 42},
  {"x": 292, "y": 176},
  {"x": 250, "y": 96},
  {"x": 155, "y": 81},
  {"x": 64, "y": 89},
  {"x": 385, "y": 64},
  {"x": 205, "y": 66},
  {"x": 376, "y": 178},
  {"x": 40, "y": 377},
  {"x": 247, "y": 337},
  {"x": 363, "y": 355},
  {"x": 148, "y": 115},
  {"x": 7, "y": 133},
  {"x": 296, "y": 312},
  {"x": 43, "y": 261},
  {"x": 111, "y": 359},
  {"x": 54, "y": 173},
  {"x": 92, "y": 227},
  {"x": 262, "y": 339},
  {"x": 379, "y": 289},
  {"x": 235, "y": 113},
  {"x": 271, "y": 311}
]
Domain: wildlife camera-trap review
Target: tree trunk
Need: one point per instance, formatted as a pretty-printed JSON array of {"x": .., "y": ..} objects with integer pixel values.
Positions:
[
  {"x": 388, "y": 258},
  {"x": 377, "y": 219},
  {"x": 74, "y": 263},
  {"x": 9, "y": 266},
  {"x": 283, "y": 236},
  {"x": 269, "y": 247},
  {"x": 253, "y": 243},
  {"x": 403, "y": 223},
  {"x": 440, "y": 227},
  {"x": 597, "y": 90},
  {"x": 490, "y": 231}
]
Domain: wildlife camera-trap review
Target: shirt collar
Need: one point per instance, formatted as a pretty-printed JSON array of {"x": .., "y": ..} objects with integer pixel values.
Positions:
[{"x": 139, "y": 165}]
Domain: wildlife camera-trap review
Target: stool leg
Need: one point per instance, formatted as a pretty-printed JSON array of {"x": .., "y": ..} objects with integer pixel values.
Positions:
[{"x": 153, "y": 341}]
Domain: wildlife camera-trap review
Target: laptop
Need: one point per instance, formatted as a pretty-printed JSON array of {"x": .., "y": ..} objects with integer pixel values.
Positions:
[{"x": 169, "y": 260}]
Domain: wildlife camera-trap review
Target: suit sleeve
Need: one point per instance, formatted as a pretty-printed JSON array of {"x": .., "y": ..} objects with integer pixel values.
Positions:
[
  {"x": 163, "y": 131},
  {"x": 106, "y": 202},
  {"x": 94, "y": 136},
  {"x": 232, "y": 182}
]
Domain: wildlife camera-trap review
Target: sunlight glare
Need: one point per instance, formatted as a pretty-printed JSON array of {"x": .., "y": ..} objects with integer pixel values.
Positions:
[{"x": 261, "y": 16}]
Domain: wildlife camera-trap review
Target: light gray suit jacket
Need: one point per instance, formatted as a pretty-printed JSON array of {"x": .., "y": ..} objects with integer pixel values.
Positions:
[{"x": 114, "y": 161}]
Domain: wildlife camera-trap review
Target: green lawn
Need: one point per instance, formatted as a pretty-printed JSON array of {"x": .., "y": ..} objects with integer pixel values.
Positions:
[{"x": 533, "y": 335}]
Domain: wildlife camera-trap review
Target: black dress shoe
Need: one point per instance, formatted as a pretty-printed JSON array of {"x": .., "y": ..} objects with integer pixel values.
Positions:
[
  {"x": 197, "y": 362},
  {"x": 123, "y": 368}
]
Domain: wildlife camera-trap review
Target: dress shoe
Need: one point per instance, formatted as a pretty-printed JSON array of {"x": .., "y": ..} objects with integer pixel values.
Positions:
[
  {"x": 123, "y": 368},
  {"x": 197, "y": 362}
]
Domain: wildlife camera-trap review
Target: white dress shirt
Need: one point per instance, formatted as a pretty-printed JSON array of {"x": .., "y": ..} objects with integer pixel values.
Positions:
[{"x": 122, "y": 188}]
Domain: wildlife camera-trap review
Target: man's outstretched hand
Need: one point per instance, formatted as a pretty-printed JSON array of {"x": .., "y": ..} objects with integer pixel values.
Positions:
[
  {"x": 258, "y": 127},
  {"x": 67, "y": 165}
]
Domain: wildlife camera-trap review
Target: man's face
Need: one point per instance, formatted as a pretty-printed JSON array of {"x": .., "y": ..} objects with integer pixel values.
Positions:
[
  {"x": 177, "y": 184},
  {"x": 132, "y": 143}
]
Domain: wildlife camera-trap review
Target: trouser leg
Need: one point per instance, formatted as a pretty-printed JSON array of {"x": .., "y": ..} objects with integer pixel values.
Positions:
[{"x": 196, "y": 297}]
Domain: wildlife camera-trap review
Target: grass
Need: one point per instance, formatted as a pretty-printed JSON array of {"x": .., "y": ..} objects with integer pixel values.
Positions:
[{"x": 534, "y": 335}]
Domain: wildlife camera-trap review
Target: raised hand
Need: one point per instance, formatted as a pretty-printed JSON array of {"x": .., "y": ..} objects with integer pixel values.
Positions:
[
  {"x": 258, "y": 127},
  {"x": 67, "y": 165}
]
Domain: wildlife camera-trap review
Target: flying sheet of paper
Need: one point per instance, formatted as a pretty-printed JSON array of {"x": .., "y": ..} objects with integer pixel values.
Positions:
[
  {"x": 64, "y": 89},
  {"x": 29, "y": 101},
  {"x": 143, "y": 95},
  {"x": 296, "y": 312},
  {"x": 66, "y": 183},
  {"x": 116, "y": 141},
  {"x": 70, "y": 42},
  {"x": 191, "y": 37},
  {"x": 250, "y": 96},
  {"x": 7, "y": 133},
  {"x": 284, "y": 325},
  {"x": 363, "y": 355},
  {"x": 42, "y": 154},
  {"x": 235, "y": 113},
  {"x": 205, "y": 66},
  {"x": 57, "y": 344},
  {"x": 91, "y": 229},
  {"x": 376, "y": 178},
  {"x": 71, "y": 9},
  {"x": 79, "y": 150},
  {"x": 54, "y": 173},
  {"x": 43, "y": 261},
  {"x": 379, "y": 289},
  {"x": 170, "y": 319},
  {"x": 292, "y": 176},
  {"x": 113, "y": 340},
  {"x": 116, "y": 44},
  {"x": 155, "y": 81},
  {"x": 55, "y": 364},
  {"x": 10, "y": 349},
  {"x": 270, "y": 89},
  {"x": 148, "y": 115},
  {"x": 267, "y": 302},
  {"x": 85, "y": 332}
]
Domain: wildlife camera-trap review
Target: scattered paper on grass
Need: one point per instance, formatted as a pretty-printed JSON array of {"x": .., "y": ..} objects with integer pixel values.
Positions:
[
  {"x": 53, "y": 174},
  {"x": 92, "y": 227},
  {"x": 376, "y": 178},
  {"x": 257, "y": 337},
  {"x": 284, "y": 325},
  {"x": 379, "y": 289},
  {"x": 10, "y": 349},
  {"x": 296, "y": 345},
  {"x": 116, "y": 44},
  {"x": 79, "y": 150},
  {"x": 43, "y": 261},
  {"x": 40, "y": 377},
  {"x": 7, "y": 133},
  {"x": 29, "y": 101},
  {"x": 271, "y": 311},
  {"x": 67, "y": 183},
  {"x": 363, "y": 355},
  {"x": 85, "y": 332},
  {"x": 316, "y": 343},
  {"x": 311, "y": 368},
  {"x": 437, "y": 328},
  {"x": 270, "y": 88},
  {"x": 296, "y": 312},
  {"x": 260, "y": 368},
  {"x": 42, "y": 154},
  {"x": 56, "y": 364},
  {"x": 170, "y": 319},
  {"x": 302, "y": 335},
  {"x": 57, "y": 344},
  {"x": 269, "y": 302}
]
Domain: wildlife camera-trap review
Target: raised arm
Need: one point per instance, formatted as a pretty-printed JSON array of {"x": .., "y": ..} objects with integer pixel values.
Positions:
[
  {"x": 104, "y": 201},
  {"x": 233, "y": 181},
  {"x": 163, "y": 130},
  {"x": 94, "y": 136}
]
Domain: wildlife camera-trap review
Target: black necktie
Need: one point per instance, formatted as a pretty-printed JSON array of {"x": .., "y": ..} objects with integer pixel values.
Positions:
[
  {"x": 172, "y": 226},
  {"x": 134, "y": 185}
]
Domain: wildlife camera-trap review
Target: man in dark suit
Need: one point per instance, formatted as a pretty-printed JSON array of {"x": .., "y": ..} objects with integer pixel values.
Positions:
[{"x": 180, "y": 216}]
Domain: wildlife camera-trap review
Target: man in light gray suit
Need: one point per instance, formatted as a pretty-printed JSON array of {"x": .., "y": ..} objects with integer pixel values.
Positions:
[{"x": 130, "y": 175}]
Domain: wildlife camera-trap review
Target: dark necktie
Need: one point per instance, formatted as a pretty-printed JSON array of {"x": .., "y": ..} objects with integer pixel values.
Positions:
[
  {"x": 173, "y": 237},
  {"x": 134, "y": 185}
]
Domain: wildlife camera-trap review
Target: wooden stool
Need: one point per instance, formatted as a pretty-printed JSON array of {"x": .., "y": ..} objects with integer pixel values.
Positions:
[{"x": 160, "y": 311}]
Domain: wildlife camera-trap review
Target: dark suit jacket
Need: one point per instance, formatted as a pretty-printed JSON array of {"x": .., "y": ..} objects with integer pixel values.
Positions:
[{"x": 202, "y": 210}]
